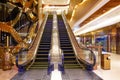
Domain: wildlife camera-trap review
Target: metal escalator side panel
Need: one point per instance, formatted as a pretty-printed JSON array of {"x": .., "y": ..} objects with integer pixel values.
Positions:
[
  {"x": 41, "y": 58},
  {"x": 77, "y": 49},
  {"x": 70, "y": 61}
]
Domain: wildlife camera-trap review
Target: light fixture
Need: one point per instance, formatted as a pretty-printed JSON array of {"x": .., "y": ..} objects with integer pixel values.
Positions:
[{"x": 107, "y": 19}]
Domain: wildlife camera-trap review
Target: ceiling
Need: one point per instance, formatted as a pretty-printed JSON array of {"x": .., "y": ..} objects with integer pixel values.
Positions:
[
  {"x": 72, "y": 5},
  {"x": 56, "y": 2},
  {"x": 83, "y": 13},
  {"x": 107, "y": 15},
  {"x": 57, "y": 5},
  {"x": 84, "y": 9},
  {"x": 111, "y": 4},
  {"x": 109, "y": 18}
]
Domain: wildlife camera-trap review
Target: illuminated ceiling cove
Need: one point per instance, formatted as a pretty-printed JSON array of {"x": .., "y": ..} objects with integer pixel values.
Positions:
[
  {"x": 109, "y": 18},
  {"x": 56, "y": 2}
]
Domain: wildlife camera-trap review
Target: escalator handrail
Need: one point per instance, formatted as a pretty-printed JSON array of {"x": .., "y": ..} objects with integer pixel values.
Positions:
[
  {"x": 71, "y": 35},
  {"x": 39, "y": 34}
]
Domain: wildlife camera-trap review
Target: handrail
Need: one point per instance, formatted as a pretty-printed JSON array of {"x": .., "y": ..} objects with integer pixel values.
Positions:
[
  {"x": 99, "y": 50},
  {"x": 31, "y": 54},
  {"x": 78, "y": 50}
]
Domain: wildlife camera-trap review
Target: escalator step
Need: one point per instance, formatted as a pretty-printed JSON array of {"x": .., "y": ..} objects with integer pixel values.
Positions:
[
  {"x": 41, "y": 60},
  {"x": 40, "y": 63},
  {"x": 41, "y": 56},
  {"x": 70, "y": 63},
  {"x": 65, "y": 43},
  {"x": 42, "y": 52},
  {"x": 67, "y": 51},
  {"x": 46, "y": 58},
  {"x": 45, "y": 43},
  {"x": 44, "y": 46},
  {"x": 67, "y": 48},
  {"x": 69, "y": 56},
  {"x": 43, "y": 67},
  {"x": 43, "y": 49},
  {"x": 70, "y": 59},
  {"x": 73, "y": 67}
]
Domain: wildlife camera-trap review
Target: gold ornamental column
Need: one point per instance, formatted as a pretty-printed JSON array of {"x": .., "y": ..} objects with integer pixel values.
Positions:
[
  {"x": 40, "y": 11},
  {"x": 93, "y": 38}
]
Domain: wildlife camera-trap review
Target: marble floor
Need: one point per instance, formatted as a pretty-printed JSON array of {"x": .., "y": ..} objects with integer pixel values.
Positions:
[
  {"x": 7, "y": 75},
  {"x": 114, "y": 72},
  {"x": 70, "y": 74},
  {"x": 40, "y": 74},
  {"x": 73, "y": 74},
  {"x": 79, "y": 74}
]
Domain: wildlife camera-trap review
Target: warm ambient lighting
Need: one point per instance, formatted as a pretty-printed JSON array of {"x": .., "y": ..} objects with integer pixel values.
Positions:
[
  {"x": 56, "y": 75},
  {"x": 97, "y": 6},
  {"x": 76, "y": 8},
  {"x": 58, "y": 9},
  {"x": 68, "y": 2},
  {"x": 107, "y": 19},
  {"x": 55, "y": 2}
]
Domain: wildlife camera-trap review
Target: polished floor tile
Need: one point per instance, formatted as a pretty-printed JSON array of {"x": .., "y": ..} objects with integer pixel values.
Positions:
[
  {"x": 114, "y": 72},
  {"x": 8, "y": 74},
  {"x": 70, "y": 74},
  {"x": 79, "y": 74},
  {"x": 37, "y": 74}
]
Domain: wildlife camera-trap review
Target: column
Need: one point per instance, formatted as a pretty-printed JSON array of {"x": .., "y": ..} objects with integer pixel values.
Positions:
[{"x": 40, "y": 11}]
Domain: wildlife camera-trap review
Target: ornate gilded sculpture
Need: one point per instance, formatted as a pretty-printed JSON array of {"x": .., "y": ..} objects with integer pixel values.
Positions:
[{"x": 12, "y": 26}]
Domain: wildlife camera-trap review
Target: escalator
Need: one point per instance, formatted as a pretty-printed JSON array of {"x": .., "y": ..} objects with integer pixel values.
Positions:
[
  {"x": 41, "y": 60},
  {"x": 70, "y": 61}
]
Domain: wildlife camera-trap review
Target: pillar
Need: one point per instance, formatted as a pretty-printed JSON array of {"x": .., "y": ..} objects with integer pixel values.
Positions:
[{"x": 40, "y": 12}]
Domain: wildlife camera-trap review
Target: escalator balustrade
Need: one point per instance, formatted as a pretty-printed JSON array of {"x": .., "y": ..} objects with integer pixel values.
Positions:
[
  {"x": 41, "y": 60},
  {"x": 66, "y": 46}
]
